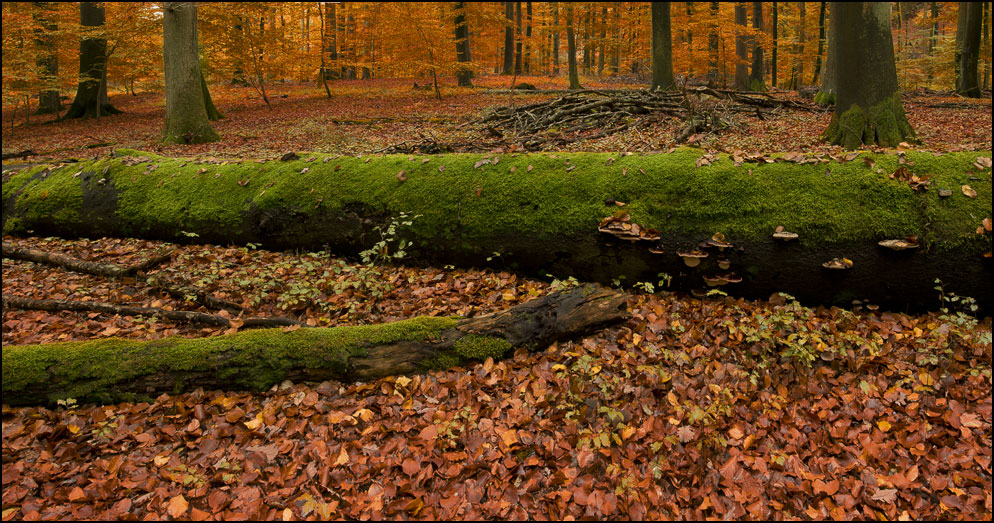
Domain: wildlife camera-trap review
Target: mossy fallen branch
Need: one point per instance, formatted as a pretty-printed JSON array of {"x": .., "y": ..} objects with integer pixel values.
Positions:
[
  {"x": 115, "y": 369},
  {"x": 541, "y": 212}
]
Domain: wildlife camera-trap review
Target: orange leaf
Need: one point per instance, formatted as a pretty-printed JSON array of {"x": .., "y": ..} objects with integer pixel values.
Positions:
[{"x": 178, "y": 506}]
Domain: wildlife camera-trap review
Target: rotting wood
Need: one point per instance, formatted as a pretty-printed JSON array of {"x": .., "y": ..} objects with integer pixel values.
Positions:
[
  {"x": 15, "y": 302},
  {"x": 110, "y": 270}
]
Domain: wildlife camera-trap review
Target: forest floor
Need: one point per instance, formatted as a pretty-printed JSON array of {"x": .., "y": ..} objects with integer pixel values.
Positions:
[
  {"x": 364, "y": 116},
  {"x": 693, "y": 408}
]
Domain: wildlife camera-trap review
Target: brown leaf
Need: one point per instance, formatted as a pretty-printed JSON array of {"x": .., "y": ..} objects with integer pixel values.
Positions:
[
  {"x": 885, "y": 495},
  {"x": 969, "y": 192},
  {"x": 429, "y": 433}
]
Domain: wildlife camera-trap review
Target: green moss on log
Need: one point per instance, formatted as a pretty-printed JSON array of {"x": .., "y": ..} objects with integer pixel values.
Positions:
[
  {"x": 466, "y": 208},
  {"x": 251, "y": 360}
]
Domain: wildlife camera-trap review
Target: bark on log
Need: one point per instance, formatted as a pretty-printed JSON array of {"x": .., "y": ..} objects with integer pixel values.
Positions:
[
  {"x": 15, "y": 302},
  {"x": 541, "y": 213},
  {"x": 115, "y": 369}
]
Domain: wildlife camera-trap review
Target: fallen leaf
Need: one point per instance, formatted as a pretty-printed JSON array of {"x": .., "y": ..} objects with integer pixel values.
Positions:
[{"x": 178, "y": 506}]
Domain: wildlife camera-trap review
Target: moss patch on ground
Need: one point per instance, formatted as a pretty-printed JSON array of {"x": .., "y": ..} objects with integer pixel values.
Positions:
[
  {"x": 253, "y": 360},
  {"x": 551, "y": 195}
]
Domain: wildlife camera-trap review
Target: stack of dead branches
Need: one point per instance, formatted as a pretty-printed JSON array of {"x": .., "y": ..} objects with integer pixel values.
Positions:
[{"x": 593, "y": 114}]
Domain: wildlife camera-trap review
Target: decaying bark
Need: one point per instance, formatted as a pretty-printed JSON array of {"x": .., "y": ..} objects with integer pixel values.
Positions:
[
  {"x": 15, "y": 302},
  {"x": 115, "y": 369}
]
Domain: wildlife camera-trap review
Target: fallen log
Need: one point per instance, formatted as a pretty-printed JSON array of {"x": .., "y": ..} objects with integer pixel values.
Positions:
[
  {"x": 108, "y": 270},
  {"x": 114, "y": 369},
  {"x": 16, "y": 302},
  {"x": 111, "y": 270},
  {"x": 541, "y": 213}
]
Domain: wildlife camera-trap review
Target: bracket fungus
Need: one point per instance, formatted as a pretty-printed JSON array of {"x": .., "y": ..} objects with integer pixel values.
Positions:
[
  {"x": 692, "y": 258},
  {"x": 782, "y": 234},
  {"x": 656, "y": 250},
  {"x": 721, "y": 279},
  {"x": 619, "y": 226},
  {"x": 718, "y": 240},
  {"x": 911, "y": 242},
  {"x": 724, "y": 264},
  {"x": 838, "y": 264}
]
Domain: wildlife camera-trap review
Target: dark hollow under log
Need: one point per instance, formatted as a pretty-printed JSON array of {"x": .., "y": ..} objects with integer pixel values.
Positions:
[{"x": 115, "y": 369}]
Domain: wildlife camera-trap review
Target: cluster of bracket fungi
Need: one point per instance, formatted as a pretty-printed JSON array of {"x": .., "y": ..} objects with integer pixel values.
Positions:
[{"x": 620, "y": 226}]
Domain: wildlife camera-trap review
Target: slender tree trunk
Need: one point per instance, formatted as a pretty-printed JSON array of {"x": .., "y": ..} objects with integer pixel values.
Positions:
[
  {"x": 741, "y": 48},
  {"x": 587, "y": 45},
  {"x": 756, "y": 74},
  {"x": 464, "y": 74},
  {"x": 826, "y": 94},
  {"x": 662, "y": 50},
  {"x": 603, "y": 42},
  {"x": 574, "y": 77},
  {"x": 798, "y": 76},
  {"x": 518, "y": 42},
  {"x": 323, "y": 73},
  {"x": 821, "y": 41},
  {"x": 48, "y": 58},
  {"x": 508, "y": 38},
  {"x": 555, "y": 39},
  {"x": 776, "y": 45},
  {"x": 689, "y": 35},
  {"x": 968, "y": 30},
  {"x": 868, "y": 107},
  {"x": 616, "y": 45},
  {"x": 986, "y": 44},
  {"x": 329, "y": 45},
  {"x": 91, "y": 93},
  {"x": 713, "y": 46},
  {"x": 528, "y": 38},
  {"x": 186, "y": 109}
]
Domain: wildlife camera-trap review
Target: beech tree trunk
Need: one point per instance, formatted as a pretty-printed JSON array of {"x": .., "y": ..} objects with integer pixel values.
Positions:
[
  {"x": 868, "y": 108},
  {"x": 574, "y": 76},
  {"x": 821, "y": 42},
  {"x": 91, "y": 92},
  {"x": 713, "y": 46},
  {"x": 48, "y": 59},
  {"x": 555, "y": 38},
  {"x": 968, "y": 28},
  {"x": 662, "y": 47},
  {"x": 756, "y": 82},
  {"x": 741, "y": 48},
  {"x": 773, "y": 57},
  {"x": 464, "y": 74},
  {"x": 118, "y": 370},
  {"x": 187, "y": 119},
  {"x": 508, "y": 38}
]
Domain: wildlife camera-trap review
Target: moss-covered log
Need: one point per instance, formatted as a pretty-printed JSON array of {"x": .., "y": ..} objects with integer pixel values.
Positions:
[
  {"x": 115, "y": 369},
  {"x": 540, "y": 212}
]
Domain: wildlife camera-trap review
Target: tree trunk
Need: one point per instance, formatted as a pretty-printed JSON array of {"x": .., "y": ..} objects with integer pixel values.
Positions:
[
  {"x": 574, "y": 76},
  {"x": 528, "y": 38},
  {"x": 555, "y": 38},
  {"x": 968, "y": 28},
  {"x": 690, "y": 40},
  {"x": 798, "y": 76},
  {"x": 518, "y": 39},
  {"x": 91, "y": 93},
  {"x": 464, "y": 74},
  {"x": 756, "y": 82},
  {"x": 508, "y": 38},
  {"x": 776, "y": 45},
  {"x": 329, "y": 43},
  {"x": 741, "y": 48},
  {"x": 544, "y": 223},
  {"x": 826, "y": 92},
  {"x": 868, "y": 107},
  {"x": 187, "y": 119},
  {"x": 121, "y": 370},
  {"x": 48, "y": 59},
  {"x": 616, "y": 45},
  {"x": 603, "y": 43},
  {"x": 713, "y": 46},
  {"x": 821, "y": 42},
  {"x": 662, "y": 51}
]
